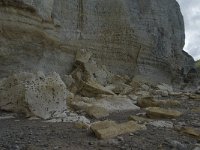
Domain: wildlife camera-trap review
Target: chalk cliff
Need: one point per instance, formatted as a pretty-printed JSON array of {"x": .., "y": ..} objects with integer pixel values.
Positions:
[{"x": 129, "y": 37}]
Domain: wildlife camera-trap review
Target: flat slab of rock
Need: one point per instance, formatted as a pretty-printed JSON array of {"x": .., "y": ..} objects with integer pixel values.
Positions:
[
  {"x": 116, "y": 103},
  {"x": 108, "y": 102},
  {"x": 102, "y": 125},
  {"x": 194, "y": 97},
  {"x": 92, "y": 88},
  {"x": 97, "y": 112},
  {"x": 147, "y": 102},
  {"x": 140, "y": 119},
  {"x": 151, "y": 102},
  {"x": 196, "y": 110},
  {"x": 162, "y": 124},
  {"x": 157, "y": 112},
  {"x": 191, "y": 131},
  {"x": 109, "y": 129}
]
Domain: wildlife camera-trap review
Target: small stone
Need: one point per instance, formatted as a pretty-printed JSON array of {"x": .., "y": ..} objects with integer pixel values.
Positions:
[
  {"x": 120, "y": 138},
  {"x": 131, "y": 134},
  {"x": 90, "y": 143},
  {"x": 56, "y": 147}
]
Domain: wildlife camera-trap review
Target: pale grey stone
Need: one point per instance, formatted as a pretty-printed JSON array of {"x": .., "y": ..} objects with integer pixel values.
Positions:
[{"x": 129, "y": 37}]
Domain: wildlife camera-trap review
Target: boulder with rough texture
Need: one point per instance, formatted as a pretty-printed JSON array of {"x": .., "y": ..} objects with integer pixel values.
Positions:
[
  {"x": 129, "y": 37},
  {"x": 47, "y": 97},
  {"x": 34, "y": 94}
]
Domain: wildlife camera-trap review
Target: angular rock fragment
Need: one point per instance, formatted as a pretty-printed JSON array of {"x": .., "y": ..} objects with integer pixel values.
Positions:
[
  {"x": 97, "y": 112},
  {"x": 196, "y": 110},
  {"x": 140, "y": 119},
  {"x": 102, "y": 125},
  {"x": 165, "y": 87},
  {"x": 195, "y": 97},
  {"x": 82, "y": 56},
  {"x": 122, "y": 89},
  {"x": 195, "y": 132},
  {"x": 81, "y": 125},
  {"x": 147, "y": 102},
  {"x": 105, "y": 130},
  {"x": 157, "y": 112},
  {"x": 92, "y": 88},
  {"x": 151, "y": 102}
]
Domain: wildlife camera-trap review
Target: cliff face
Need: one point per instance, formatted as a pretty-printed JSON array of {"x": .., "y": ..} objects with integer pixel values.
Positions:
[{"x": 130, "y": 37}]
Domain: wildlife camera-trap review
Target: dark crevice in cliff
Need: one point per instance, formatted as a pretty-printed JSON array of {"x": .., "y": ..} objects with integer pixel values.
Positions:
[{"x": 80, "y": 18}]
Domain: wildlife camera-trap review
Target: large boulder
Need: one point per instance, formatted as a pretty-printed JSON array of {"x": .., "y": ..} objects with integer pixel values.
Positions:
[
  {"x": 47, "y": 97},
  {"x": 34, "y": 94}
]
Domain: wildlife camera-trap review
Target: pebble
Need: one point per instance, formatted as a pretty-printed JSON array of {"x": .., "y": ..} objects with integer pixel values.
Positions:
[
  {"x": 131, "y": 134},
  {"x": 120, "y": 138}
]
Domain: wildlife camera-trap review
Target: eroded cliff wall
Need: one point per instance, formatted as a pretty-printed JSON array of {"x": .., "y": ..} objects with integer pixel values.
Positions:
[{"x": 132, "y": 37}]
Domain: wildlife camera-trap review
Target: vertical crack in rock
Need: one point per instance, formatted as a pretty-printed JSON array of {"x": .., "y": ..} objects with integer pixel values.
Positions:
[{"x": 80, "y": 21}]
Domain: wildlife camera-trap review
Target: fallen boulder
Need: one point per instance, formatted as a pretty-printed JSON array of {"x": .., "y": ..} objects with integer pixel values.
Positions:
[
  {"x": 34, "y": 94},
  {"x": 47, "y": 97}
]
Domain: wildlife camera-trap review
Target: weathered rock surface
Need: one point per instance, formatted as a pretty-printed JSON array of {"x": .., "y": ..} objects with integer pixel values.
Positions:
[
  {"x": 190, "y": 131},
  {"x": 45, "y": 97},
  {"x": 162, "y": 124},
  {"x": 157, "y": 112},
  {"x": 110, "y": 129},
  {"x": 130, "y": 37},
  {"x": 145, "y": 102}
]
